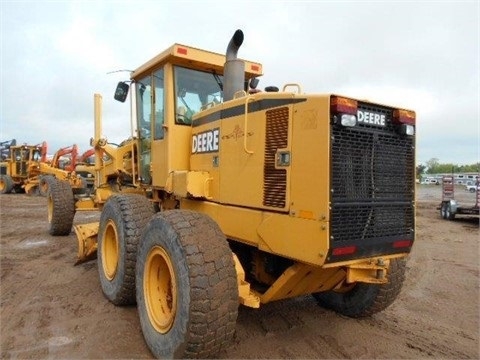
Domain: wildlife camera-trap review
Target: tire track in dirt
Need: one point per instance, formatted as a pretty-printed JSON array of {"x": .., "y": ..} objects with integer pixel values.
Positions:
[{"x": 436, "y": 342}]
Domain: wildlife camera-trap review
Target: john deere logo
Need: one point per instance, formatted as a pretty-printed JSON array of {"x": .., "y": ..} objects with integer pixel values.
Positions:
[
  {"x": 205, "y": 142},
  {"x": 366, "y": 117}
]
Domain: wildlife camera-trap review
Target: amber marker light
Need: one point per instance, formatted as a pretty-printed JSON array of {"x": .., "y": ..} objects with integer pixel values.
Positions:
[
  {"x": 182, "y": 51},
  {"x": 343, "y": 105},
  {"x": 406, "y": 120}
]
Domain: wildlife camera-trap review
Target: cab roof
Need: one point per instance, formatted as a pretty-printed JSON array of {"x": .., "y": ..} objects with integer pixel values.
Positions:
[{"x": 194, "y": 58}]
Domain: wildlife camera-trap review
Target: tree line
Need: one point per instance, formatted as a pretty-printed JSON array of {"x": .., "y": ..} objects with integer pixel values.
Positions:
[{"x": 434, "y": 166}]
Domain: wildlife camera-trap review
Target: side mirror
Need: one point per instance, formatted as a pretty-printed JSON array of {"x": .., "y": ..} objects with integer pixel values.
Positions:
[
  {"x": 121, "y": 92},
  {"x": 254, "y": 82}
]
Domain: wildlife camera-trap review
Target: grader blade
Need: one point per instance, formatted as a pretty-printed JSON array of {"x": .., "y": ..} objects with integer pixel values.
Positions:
[{"x": 87, "y": 242}]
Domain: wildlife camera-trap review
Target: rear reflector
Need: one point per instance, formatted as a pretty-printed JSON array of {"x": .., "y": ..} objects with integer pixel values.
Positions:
[
  {"x": 344, "y": 250},
  {"x": 402, "y": 244}
]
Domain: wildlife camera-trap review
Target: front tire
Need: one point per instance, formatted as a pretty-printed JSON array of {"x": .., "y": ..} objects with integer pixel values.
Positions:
[
  {"x": 44, "y": 184},
  {"x": 61, "y": 208},
  {"x": 123, "y": 218},
  {"x": 187, "y": 294},
  {"x": 366, "y": 299}
]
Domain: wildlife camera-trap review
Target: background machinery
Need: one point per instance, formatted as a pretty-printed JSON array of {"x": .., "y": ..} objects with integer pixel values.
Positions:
[
  {"x": 21, "y": 162},
  {"x": 60, "y": 167},
  {"x": 85, "y": 167},
  {"x": 449, "y": 207},
  {"x": 5, "y": 148},
  {"x": 243, "y": 196}
]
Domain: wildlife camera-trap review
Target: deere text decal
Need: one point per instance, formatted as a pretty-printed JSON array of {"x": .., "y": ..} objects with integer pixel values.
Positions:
[
  {"x": 371, "y": 118},
  {"x": 205, "y": 142}
]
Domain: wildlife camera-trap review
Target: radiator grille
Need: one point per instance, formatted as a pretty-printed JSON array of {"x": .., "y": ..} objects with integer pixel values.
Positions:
[
  {"x": 372, "y": 182},
  {"x": 371, "y": 221},
  {"x": 275, "y": 180}
]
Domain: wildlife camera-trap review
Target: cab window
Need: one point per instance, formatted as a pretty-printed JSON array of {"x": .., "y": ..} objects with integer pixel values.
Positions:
[
  {"x": 194, "y": 90},
  {"x": 158, "y": 117},
  {"x": 144, "y": 107}
]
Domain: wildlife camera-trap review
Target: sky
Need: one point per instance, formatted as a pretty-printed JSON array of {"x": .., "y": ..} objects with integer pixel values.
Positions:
[{"x": 419, "y": 55}]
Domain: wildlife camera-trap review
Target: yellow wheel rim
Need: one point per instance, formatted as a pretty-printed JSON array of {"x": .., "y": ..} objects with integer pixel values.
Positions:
[
  {"x": 44, "y": 187},
  {"x": 159, "y": 288},
  {"x": 110, "y": 250},
  {"x": 2, "y": 185}
]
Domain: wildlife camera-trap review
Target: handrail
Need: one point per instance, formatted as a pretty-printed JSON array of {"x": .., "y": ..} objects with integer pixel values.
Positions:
[
  {"x": 292, "y": 85},
  {"x": 239, "y": 94}
]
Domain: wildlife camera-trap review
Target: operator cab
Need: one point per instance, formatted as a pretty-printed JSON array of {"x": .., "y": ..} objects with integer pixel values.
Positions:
[{"x": 168, "y": 91}]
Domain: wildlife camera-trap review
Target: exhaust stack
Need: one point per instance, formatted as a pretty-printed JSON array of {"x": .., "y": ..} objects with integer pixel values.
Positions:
[{"x": 234, "y": 69}]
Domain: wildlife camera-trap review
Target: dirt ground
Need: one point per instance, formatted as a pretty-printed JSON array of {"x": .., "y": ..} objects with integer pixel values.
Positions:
[{"x": 53, "y": 309}]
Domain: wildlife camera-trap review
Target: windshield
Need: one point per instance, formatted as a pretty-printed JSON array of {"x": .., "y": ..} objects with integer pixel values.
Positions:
[{"x": 195, "y": 90}]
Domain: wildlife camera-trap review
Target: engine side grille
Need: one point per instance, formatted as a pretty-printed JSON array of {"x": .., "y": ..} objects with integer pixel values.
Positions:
[
  {"x": 372, "y": 185},
  {"x": 275, "y": 180}
]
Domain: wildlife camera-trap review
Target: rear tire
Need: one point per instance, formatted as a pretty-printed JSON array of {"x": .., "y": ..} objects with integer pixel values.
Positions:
[
  {"x": 122, "y": 221},
  {"x": 61, "y": 208},
  {"x": 187, "y": 294},
  {"x": 366, "y": 299},
  {"x": 6, "y": 184}
]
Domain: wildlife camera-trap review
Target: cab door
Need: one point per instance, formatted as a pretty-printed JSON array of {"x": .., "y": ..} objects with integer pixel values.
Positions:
[
  {"x": 150, "y": 124},
  {"x": 159, "y": 150}
]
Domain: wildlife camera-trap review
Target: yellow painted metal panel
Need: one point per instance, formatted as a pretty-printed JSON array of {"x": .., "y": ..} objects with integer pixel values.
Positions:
[
  {"x": 238, "y": 168},
  {"x": 295, "y": 238},
  {"x": 241, "y": 180},
  {"x": 310, "y": 173},
  {"x": 302, "y": 279},
  {"x": 190, "y": 184}
]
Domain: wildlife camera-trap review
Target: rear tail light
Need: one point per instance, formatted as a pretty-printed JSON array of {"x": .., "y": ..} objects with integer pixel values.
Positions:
[
  {"x": 347, "y": 250},
  {"x": 402, "y": 244}
]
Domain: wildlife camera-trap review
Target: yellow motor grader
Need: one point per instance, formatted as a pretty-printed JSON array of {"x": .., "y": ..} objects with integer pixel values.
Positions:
[
  {"x": 241, "y": 196},
  {"x": 60, "y": 167},
  {"x": 19, "y": 163}
]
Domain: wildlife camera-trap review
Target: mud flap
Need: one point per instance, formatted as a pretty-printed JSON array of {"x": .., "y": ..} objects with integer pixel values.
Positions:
[{"x": 87, "y": 242}]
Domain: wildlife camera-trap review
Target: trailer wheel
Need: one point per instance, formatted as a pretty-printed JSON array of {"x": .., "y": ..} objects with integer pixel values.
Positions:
[
  {"x": 44, "y": 184},
  {"x": 61, "y": 208},
  {"x": 6, "y": 184},
  {"x": 443, "y": 210},
  {"x": 366, "y": 299},
  {"x": 187, "y": 294},
  {"x": 123, "y": 218},
  {"x": 449, "y": 214}
]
